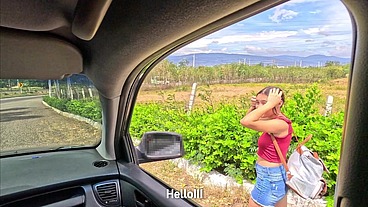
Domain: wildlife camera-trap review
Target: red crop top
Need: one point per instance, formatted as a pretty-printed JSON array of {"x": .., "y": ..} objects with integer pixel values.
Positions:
[{"x": 266, "y": 149}]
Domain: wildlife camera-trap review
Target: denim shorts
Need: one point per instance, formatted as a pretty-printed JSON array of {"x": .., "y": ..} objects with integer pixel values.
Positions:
[{"x": 270, "y": 185}]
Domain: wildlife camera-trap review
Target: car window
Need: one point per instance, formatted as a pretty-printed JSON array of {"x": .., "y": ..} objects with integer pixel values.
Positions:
[
  {"x": 203, "y": 90},
  {"x": 38, "y": 115}
]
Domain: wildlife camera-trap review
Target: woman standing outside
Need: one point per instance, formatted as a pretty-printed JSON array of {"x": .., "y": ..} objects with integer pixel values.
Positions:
[{"x": 265, "y": 116}]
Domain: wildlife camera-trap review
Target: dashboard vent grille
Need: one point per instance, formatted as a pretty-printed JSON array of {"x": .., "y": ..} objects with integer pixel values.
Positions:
[
  {"x": 108, "y": 193},
  {"x": 100, "y": 163}
]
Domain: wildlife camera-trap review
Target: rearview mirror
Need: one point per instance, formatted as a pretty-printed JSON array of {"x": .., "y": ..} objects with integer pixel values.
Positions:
[{"x": 156, "y": 146}]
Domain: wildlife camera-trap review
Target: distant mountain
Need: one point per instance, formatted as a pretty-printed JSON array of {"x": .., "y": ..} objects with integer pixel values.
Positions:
[{"x": 211, "y": 59}]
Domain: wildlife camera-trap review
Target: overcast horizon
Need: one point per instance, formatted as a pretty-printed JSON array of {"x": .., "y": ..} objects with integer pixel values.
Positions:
[{"x": 298, "y": 28}]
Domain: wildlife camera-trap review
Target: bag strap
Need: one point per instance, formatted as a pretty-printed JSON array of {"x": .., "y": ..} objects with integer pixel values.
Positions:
[
  {"x": 278, "y": 150},
  {"x": 298, "y": 148}
]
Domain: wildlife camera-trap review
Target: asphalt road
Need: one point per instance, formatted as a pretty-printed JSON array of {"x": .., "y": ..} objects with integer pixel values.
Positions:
[{"x": 26, "y": 123}]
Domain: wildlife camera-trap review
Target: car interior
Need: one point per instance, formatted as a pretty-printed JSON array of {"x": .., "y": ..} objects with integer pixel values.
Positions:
[{"x": 115, "y": 44}]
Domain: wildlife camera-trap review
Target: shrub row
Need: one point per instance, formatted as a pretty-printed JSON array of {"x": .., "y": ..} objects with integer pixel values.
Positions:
[
  {"x": 87, "y": 108},
  {"x": 214, "y": 138}
]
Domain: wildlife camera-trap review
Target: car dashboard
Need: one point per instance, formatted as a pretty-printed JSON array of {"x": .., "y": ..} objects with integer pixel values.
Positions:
[{"x": 70, "y": 178}]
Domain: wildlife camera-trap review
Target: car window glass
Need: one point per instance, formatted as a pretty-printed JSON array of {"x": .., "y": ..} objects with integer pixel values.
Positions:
[
  {"x": 38, "y": 115},
  {"x": 203, "y": 90}
]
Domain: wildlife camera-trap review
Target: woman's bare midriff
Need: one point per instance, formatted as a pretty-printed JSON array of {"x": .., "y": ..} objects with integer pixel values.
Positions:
[{"x": 266, "y": 163}]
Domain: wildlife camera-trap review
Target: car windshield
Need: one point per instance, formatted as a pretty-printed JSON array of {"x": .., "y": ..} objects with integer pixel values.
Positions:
[{"x": 38, "y": 115}]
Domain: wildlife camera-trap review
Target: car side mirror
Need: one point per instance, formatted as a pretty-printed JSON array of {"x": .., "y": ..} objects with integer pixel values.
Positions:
[{"x": 156, "y": 146}]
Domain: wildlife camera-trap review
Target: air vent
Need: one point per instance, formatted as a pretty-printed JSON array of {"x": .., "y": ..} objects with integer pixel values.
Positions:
[
  {"x": 100, "y": 163},
  {"x": 108, "y": 193}
]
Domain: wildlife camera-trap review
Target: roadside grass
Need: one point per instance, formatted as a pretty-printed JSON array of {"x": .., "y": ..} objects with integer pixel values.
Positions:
[{"x": 213, "y": 196}]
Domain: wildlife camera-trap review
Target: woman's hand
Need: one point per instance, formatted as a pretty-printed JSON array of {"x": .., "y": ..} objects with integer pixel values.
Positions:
[
  {"x": 274, "y": 98},
  {"x": 253, "y": 102}
]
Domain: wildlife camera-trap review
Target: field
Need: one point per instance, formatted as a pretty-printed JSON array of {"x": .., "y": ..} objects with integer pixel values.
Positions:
[{"x": 233, "y": 92}]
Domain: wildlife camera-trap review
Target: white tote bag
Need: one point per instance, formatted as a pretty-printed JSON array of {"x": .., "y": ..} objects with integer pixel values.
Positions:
[{"x": 304, "y": 169}]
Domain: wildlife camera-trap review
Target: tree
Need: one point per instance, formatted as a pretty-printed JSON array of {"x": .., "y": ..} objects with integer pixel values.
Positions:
[{"x": 331, "y": 63}]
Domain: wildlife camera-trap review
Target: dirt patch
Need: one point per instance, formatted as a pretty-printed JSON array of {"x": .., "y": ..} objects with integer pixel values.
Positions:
[
  {"x": 212, "y": 196},
  {"x": 340, "y": 81},
  {"x": 216, "y": 93}
]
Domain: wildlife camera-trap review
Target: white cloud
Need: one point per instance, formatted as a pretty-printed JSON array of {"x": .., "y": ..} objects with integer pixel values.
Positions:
[
  {"x": 261, "y": 36},
  {"x": 252, "y": 49},
  {"x": 201, "y": 43},
  {"x": 330, "y": 36},
  {"x": 271, "y": 51},
  {"x": 315, "y": 12},
  {"x": 282, "y": 14},
  {"x": 328, "y": 43},
  {"x": 313, "y": 30},
  {"x": 341, "y": 51}
]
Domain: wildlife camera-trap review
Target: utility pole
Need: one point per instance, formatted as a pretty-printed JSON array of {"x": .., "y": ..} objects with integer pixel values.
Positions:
[
  {"x": 50, "y": 88},
  {"x": 9, "y": 85},
  {"x": 192, "y": 97},
  {"x": 68, "y": 85}
]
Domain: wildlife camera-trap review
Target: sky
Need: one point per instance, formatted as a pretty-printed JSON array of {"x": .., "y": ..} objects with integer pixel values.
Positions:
[{"x": 298, "y": 27}]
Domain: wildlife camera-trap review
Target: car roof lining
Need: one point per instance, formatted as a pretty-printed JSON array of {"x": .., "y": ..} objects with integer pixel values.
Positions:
[
  {"x": 36, "y": 15},
  {"x": 37, "y": 56},
  {"x": 121, "y": 42}
]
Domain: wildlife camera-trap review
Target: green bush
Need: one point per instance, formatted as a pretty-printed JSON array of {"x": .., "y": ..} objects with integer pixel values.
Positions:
[
  {"x": 214, "y": 137},
  {"x": 87, "y": 108},
  {"x": 56, "y": 103},
  {"x": 326, "y": 130}
]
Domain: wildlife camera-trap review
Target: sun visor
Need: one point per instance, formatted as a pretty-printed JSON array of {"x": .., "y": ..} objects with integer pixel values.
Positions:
[{"x": 31, "y": 55}]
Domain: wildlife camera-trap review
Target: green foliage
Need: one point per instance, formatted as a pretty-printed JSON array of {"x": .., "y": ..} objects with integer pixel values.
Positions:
[
  {"x": 330, "y": 201},
  {"x": 214, "y": 137},
  {"x": 326, "y": 130},
  {"x": 87, "y": 108},
  {"x": 56, "y": 103},
  {"x": 218, "y": 141},
  {"x": 300, "y": 107}
]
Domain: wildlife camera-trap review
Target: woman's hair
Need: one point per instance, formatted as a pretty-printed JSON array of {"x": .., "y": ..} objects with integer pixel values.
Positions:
[{"x": 267, "y": 90}]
